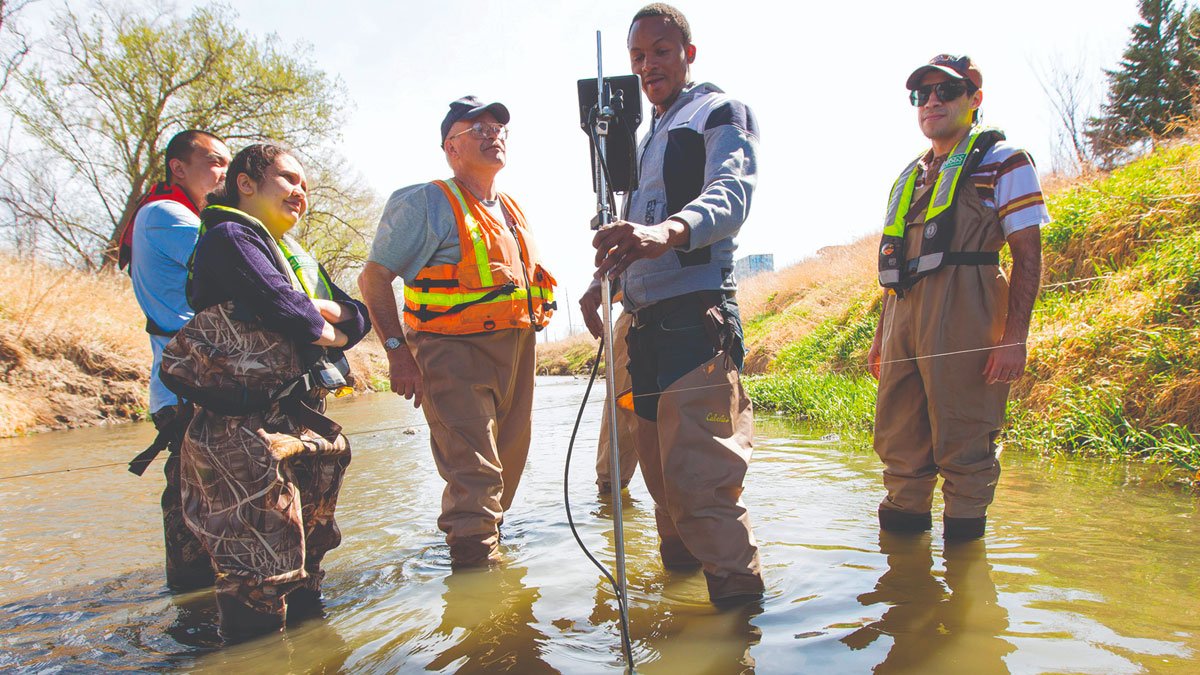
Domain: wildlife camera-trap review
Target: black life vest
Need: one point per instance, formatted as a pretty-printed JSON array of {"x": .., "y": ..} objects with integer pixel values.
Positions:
[{"x": 897, "y": 273}]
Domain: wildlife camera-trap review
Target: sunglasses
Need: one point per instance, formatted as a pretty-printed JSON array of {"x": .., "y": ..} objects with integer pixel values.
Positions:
[
  {"x": 483, "y": 130},
  {"x": 946, "y": 91}
]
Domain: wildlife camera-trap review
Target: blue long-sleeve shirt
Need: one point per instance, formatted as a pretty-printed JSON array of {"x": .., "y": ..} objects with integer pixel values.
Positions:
[
  {"x": 233, "y": 263},
  {"x": 164, "y": 234}
]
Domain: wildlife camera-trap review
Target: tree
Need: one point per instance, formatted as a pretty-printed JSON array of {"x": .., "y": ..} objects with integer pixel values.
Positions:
[
  {"x": 343, "y": 213},
  {"x": 99, "y": 107},
  {"x": 1068, "y": 89},
  {"x": 1187, "y": 57},
  {"x": 1149, "y": 91},
  {"x": 14, "y": 46}
]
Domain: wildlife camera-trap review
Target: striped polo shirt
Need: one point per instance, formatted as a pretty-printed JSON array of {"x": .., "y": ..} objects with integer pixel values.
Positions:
[{"x": 1005, "y": 180}]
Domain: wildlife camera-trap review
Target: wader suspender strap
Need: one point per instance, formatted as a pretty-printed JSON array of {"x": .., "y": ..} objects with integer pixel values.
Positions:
[{"x": 172, "y": 433}]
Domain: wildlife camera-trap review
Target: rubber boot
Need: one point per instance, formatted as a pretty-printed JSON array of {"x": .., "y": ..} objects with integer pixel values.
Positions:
[
  {"x": 240, "y": 622},
  {"x": 303, "y": 603},
  {"x": 893, "y": 520},
  {"x": 467, "y": 554},
  {"x": 734, "y": 589},
  {"x": 676, "y": 556},
  {"x": 963, "y": 529}
]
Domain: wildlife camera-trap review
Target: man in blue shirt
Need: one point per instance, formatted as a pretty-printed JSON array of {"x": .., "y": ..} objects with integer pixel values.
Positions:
[{"x": 157, "y": 244}]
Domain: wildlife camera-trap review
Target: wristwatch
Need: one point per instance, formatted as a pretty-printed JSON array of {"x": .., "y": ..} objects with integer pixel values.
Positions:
[{"x": 392, "y": 343}]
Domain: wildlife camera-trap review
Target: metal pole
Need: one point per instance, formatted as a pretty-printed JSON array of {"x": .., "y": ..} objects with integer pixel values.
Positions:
[{"x": 614, "y": 456}]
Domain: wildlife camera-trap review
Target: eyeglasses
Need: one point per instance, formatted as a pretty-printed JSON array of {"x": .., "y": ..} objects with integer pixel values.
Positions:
[
  {"x": 483, "y": 130},
  {"x": 946, "y": 91}
]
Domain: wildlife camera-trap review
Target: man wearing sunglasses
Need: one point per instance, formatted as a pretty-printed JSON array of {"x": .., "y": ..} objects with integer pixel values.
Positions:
[
  {"x": 951, "y": 337},
  {"x": 475, "y": 293},
  {"x": 673, "y": 252}
]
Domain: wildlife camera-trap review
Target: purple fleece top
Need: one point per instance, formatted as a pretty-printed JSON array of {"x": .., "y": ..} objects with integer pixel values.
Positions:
[{"x": 234, "y": 263}]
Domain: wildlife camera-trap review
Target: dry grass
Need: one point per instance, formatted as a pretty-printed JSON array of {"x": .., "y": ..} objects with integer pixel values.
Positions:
[
  {"x": 570, "y": 356},
  {"x": 781, "y": 307},
  {"x": 72, "y": 349}
]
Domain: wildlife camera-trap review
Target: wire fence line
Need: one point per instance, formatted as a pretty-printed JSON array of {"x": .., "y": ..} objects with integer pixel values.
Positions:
[{"x": 415, "y": 425}]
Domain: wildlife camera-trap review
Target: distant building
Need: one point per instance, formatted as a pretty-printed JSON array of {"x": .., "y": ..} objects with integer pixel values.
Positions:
[{"x": 750, "y": 265}]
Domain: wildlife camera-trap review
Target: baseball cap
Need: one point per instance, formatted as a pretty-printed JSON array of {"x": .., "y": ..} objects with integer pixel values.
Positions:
[
  {"x": 958, "y": 67},
  {"x": 470, "y": 107}
]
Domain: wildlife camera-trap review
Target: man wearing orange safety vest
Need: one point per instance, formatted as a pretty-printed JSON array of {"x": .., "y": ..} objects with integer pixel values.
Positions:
[{"x": 475, "y": 292}]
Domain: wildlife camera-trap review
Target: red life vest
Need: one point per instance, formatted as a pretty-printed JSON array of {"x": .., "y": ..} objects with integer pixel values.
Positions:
[{"x": 158, "y": 193}]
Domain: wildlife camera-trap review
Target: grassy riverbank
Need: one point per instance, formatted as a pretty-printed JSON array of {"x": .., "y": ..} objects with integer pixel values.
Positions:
[
  {"x": 73, "y": 351},
  {"x": 1114, "y": 351}
]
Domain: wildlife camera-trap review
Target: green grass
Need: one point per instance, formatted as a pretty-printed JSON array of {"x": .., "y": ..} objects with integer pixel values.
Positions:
[
  {"x": 820, "y": 377},
  {"x": 842, "y": 402},
  {"x": 1114, "y": 368}
]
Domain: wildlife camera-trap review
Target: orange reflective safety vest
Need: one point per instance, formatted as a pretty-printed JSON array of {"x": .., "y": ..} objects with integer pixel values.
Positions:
[{"x": 498, "y": 283}]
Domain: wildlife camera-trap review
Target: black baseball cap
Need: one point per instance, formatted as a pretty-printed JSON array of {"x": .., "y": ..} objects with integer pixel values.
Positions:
[
  {"x": 958, "y": 67},
  {"x": 470, "y": 107}
]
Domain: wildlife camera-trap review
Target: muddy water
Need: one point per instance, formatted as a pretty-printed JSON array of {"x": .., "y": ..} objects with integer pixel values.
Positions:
[{"x": 1087, "y": 568}]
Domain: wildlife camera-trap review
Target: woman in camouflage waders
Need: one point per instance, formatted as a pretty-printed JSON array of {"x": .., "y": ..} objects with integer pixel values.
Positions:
[{"x": 261, "y": 467}]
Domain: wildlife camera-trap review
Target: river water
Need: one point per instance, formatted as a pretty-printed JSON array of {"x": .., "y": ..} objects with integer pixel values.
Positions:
[{"x": 1087, "y": 568}]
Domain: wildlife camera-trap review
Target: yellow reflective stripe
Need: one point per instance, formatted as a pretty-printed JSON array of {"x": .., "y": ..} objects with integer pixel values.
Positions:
[
  {"x": 944, "y": 191},
  {"x": 295, "y": 260},
  {"x": 448, "y": 299},
  {"x": 902, "y": 194},
  {"x": 481, "y": 252}
]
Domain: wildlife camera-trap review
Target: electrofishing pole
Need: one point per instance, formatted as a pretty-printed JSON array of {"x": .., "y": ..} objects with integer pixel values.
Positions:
[{"x": 610, "y": 110}]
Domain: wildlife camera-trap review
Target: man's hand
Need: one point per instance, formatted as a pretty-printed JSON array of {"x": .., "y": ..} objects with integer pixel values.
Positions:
[
  {"x": 404, "y": 374},
  {"x": 589, "y": 306},
  {"x": 620, "y": 244},
  {"x": 1006, "y": 363},
  {"x": 875, "y": 359}
]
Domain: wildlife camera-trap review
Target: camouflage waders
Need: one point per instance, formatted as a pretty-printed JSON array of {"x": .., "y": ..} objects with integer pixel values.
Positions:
[
  {"x": 258, "y": 490},
  {"x": 188, "y": 566}
]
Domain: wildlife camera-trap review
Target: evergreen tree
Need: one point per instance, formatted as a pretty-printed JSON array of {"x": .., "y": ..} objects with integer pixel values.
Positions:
[
  {"x": 1188, "y": 57},
  {"x": 1152, "y": 87}
]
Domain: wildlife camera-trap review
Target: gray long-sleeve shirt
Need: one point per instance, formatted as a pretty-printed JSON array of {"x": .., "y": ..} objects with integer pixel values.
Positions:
[{"x": 696, "y": 164}]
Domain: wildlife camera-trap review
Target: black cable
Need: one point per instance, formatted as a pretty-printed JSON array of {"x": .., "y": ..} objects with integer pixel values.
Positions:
[{"x": 567, "y": 501}]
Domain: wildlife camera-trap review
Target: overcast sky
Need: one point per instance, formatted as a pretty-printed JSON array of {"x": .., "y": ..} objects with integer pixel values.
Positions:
[{"x": 826, "y": 81}]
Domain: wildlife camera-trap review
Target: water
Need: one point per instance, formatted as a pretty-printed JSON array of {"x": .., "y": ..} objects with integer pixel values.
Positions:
[{"x": 1087, "y": 568}]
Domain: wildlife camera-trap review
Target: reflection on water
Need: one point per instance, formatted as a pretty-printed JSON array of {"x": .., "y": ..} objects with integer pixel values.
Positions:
[
  {"x": 1085, "y": 569},
  {"x": 935, "y": 625}
]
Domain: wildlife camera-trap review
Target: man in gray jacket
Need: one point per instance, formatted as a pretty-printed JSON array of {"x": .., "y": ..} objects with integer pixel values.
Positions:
[{"x": 673, "y": 253}]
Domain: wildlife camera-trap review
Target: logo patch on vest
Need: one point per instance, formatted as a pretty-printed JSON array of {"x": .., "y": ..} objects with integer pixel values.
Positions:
[
  {"x": 888, "y": 249},
  {"x": 954, "y": 161},
  {"x": 651, "y": 212},
  {"x": 931, "y": 230},
  {"x": 717, "y": 417}
]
